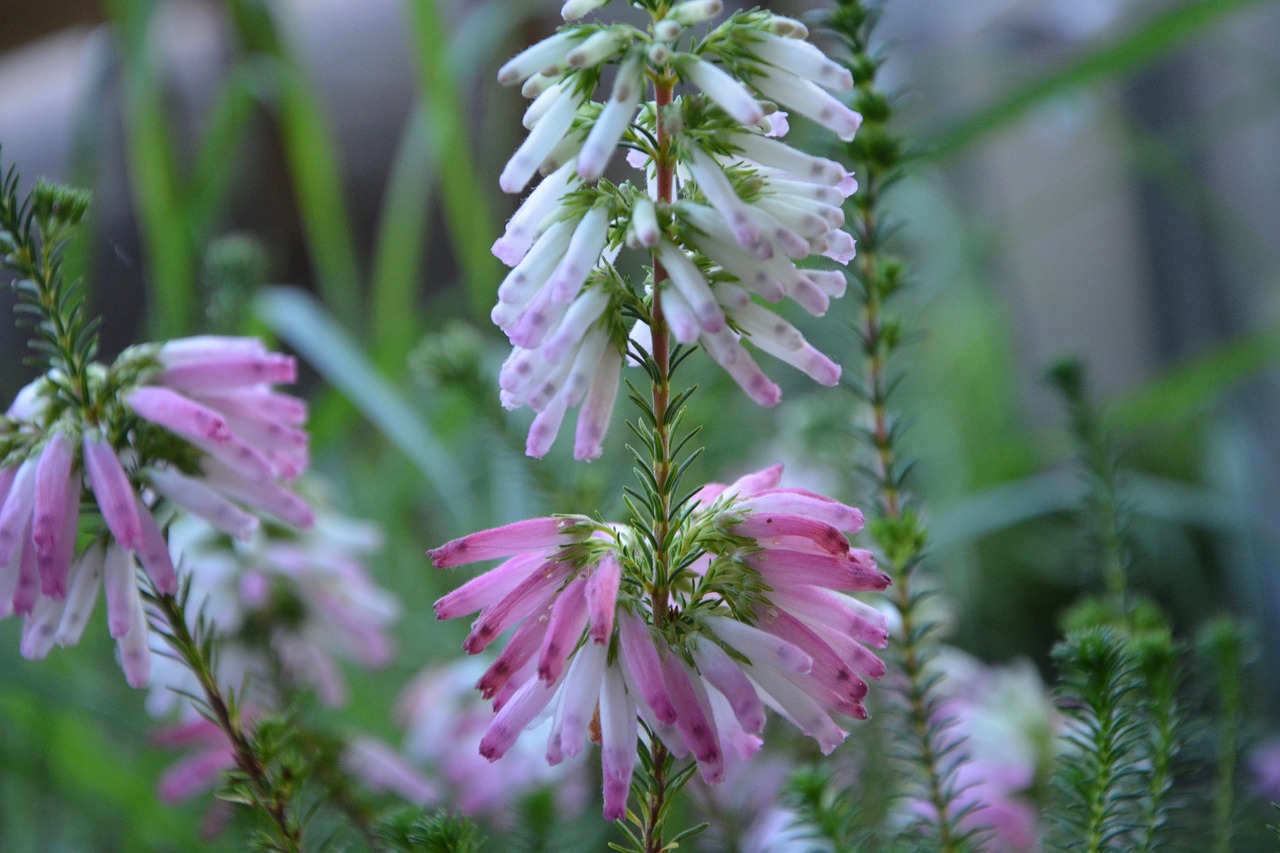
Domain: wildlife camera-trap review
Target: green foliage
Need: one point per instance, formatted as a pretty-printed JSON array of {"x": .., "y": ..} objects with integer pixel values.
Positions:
[
  {"x": 34, "y": 237},
  {"x": 412, "y": 831},
  {"x": 310, "y": 329},
  {"x": 829, "y": 813},
  {"x": 1162, "y": 33},
  {"x": 1221, "y": 644},
  {"x": 1105, "y": 512},
  {"x": 1097, "y": 788}
]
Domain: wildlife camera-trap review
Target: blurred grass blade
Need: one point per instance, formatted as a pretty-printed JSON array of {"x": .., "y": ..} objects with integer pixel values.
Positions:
[
  {"x": 990, "y": 511},
  {"x": 299, "y": 320},
  {"x": 1187, "y": 389},
  {"x": 216, "y": 162},
  {"x": 394, "y": 321},
  {"x": 1162, "y": 33},
  {"x": 467, "y": 213},
  {"x": 63, "y": 755},
  {"x": 153, "y": 175},
  {"x": 312, "y": 160}
]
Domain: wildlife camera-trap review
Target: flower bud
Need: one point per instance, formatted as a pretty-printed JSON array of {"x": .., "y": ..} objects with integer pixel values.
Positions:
[{"x": 695, "y": 11}]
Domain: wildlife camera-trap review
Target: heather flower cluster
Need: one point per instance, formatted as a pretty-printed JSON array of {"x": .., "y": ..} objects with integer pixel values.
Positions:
[
  {"x": 741, "y": 208},
  {"x": 191, "y": 424},
  {"x": 285, "y": 605},
  {"x": 758, "y": 613},
  {"x": 443, "y": 719}
]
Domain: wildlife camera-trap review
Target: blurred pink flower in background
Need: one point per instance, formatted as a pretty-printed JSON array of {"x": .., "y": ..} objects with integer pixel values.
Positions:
[
  {"x": 443, "y": 720},
  {"x": 1009, "y": 727},
  {"x": 1264, "y": 769},
  {"x": 214, "y": 394},
  {"x": 304, "y": 599}
]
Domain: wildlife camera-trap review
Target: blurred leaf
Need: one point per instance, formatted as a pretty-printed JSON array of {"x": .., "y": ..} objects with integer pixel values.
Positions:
[
  {"x": 1000, "y": 508},
  {"x": 397, "y": 262},
  {"x": 470, "y": 220},
  {"x": 313, "y": 163},
  {"x": 1187, "y": 389},
  {"x": 92, "y": 774},
  {"x": 1164, "y": 32},
  {"x": 216, "y": 161},
  {"x": 298, "y": 319},
  {"x": 154, "y": 179}
]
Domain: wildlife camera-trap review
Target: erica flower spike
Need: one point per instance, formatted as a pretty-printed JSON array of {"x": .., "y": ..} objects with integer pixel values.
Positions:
[
  {"x": 741, "y": 209},
  {"x": 194, "y": 422},
  {"x": 759, "y": 614}
]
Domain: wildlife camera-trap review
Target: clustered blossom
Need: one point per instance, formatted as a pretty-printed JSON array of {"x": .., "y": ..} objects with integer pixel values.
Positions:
[
  {"x": 193, "y": 421},
  {"x": 758, "y": 614},
  {"x": 443, "y": 720},
  {"x": 747, "y": 206},
  {"x": 281, "y": 604},
  {"x": 284, "y": 603}
]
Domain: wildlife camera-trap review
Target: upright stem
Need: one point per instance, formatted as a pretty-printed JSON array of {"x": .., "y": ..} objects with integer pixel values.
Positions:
[
  {"x": 905, "y": 549},
  {"x": 272, "y": 802},
  {"x": 662, "y": 463}
]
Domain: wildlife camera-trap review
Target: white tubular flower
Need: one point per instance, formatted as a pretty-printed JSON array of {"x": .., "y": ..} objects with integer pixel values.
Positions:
[
  {"x": 527, "y": 223},
  {"x": 787, "y": 27},
  {"x": 771, "y": 279},
  {"x": 720, "y": 193},
  {"x": 667, "y": 30},
  {"x": 532, "y": 272},
  {"x": 775, "y": 335},
  {"x": 547, "y": 133},
  {"x": 584, "y": 249},
  {"x": 644, "y": 222},
  {"x": 539, "y": 83},
  {"x": 779, "y": 155},
  {"x": 586, "y": 373},
  {"x": 613, "y": 121},
  {"x": 575, "y": 9},
  {"x": 541, "y": 57},
  {"x": 539, "y": 106},
  {"x": 804, "y": 60},
  {"x": 810, "y": 101},
  {"x": 680, "y": 317},
  {"x": 695, "y": 11},
  {"x": 730, "y": 95},
  {"x": 692, "y": 287},
  {"x": 599, "y": 47},
  {"x": 741, "y": 367}
]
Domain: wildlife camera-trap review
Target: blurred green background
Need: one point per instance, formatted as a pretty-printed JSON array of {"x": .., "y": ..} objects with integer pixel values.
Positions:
[{"x": 1094, "y": 177}]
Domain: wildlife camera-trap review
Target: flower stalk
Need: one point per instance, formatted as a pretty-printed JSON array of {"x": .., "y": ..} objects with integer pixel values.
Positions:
[
  {"x": 876, "y": 155},
  {"x": 265, "y": 793}
]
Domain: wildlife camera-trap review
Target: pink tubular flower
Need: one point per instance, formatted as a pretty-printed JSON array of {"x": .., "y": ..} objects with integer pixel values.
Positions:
[
  {"x": 62, "y": 621},
  {"x": 583, "y": 642},
  {"x": 215, "y": 393}
]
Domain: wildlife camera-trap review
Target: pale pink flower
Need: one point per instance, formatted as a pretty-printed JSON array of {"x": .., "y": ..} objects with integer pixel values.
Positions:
[
  {"x": 214, "y": 392},
  {"x": 335, "y": 610},
  {"x": 1005, "y": 725},
  {"x": 382, "y": 770},
  {"x": 1264, "y": 769},
  {"x": 443, "y": 719},
  {"x": 210, "y": 755},
  {"x": 61, "y": 621}
]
